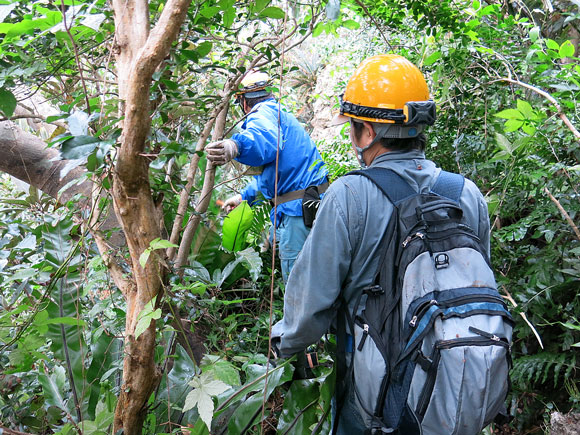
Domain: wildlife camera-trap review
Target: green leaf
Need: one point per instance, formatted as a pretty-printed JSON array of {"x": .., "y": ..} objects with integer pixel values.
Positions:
[
  {"x": 509, "y": 114},
  {"x": 224, "y": 371},
  {"x": 229, "y": 17},
  {"x": 144, "y": 257},
  {"x": 534, "y": 33},
  {"x": 78, "y": 147},
  {"x": 204, "y": 48},
  {"x": 432, "y": 58},
  {"x": 161, "y": 244},
  {"x": 63, "y": 320},
  {"x": 351, "y": 24},
  {"x": 513, "y": 125},
  {"x": 147, "y": 314},
  {"x": 273, "y": 12},
  {"x": 300, "y": 405},
  {"x": 529, "y": 129},
  {"x": 318, "y": 29},
  {"x": 53, "y": 387},
  {"x": 7, "y": 102},
  {"x": 526, "y": 109},
  {"x": 566, "y": 50},
  {"x": 210, "y": 11},
  {"x": 236, "y": 226},
  {"x": 550, "y": 43}
]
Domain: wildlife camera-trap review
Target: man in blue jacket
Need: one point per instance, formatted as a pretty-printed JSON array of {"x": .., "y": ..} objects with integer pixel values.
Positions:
[{"x": 272, "y": 137}]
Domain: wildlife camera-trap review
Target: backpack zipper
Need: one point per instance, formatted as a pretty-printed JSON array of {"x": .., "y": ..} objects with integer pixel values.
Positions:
[
  {"x": 364, "y": 336},
  {"x": 425, "y": 395},
  {"x": 462, "y": 300},
  {"x": 431, "y": 237},
  {"x": 420, "y": 311},
  {"x": 412, "y": 237}
]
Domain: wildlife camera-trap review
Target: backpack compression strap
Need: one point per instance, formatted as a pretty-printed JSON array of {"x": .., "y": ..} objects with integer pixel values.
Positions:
[{"x": 395, "y": 188}]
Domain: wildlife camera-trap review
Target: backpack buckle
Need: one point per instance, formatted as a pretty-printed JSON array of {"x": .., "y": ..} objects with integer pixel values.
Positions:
[
  {"x": 441, "y": 261},
  {"x": 374, "y": 290}
]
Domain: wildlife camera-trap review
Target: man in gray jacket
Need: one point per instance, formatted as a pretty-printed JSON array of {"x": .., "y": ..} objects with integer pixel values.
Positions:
[{"x": 388, "y": 106}]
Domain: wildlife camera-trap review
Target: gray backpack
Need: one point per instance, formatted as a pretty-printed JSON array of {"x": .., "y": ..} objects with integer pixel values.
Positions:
[{"x": 432, "y": 345}]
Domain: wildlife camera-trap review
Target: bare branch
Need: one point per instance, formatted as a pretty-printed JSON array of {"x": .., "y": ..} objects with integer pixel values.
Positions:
[{"x": 564, "y": 213}]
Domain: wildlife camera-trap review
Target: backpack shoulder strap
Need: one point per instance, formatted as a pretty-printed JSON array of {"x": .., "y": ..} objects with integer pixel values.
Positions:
[
  {"x": 390, "y": 183},
  {"x": 449, "y": 185}
]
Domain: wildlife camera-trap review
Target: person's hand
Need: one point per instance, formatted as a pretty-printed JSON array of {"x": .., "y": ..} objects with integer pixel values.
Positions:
[
  {"x": 232, "y": 202},
  {"x": 222, "y": 151}
]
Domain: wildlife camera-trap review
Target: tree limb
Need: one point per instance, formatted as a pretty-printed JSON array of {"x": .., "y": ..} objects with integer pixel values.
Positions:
[{"x": 546, "y": 95}]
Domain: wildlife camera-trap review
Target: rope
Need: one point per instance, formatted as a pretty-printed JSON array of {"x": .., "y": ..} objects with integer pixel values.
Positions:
[{"x": 275, "y": 217}]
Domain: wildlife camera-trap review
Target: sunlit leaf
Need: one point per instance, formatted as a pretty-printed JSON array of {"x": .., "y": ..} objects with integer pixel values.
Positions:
[
  {"x": 509, "y": 114},
  {"x": 350, "y": 24},
  {"x": 526, "y": 109},
  {"x": 236, "y": 226},
  {"x": 550, "y": 43},
  {"x": 567, "y": 49},
  {"x": 432, "y": 58},
  {"x": 273, "y": 12},
  {"x": 146, "y": 316},
  {"x": 513, "y": 124},
  {"x": 204, "y": 387}
]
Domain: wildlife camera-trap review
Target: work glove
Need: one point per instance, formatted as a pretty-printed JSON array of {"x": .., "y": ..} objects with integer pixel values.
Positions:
[
  {"x": 232, "y": 202},
  {"x": 222, "y": 151}
]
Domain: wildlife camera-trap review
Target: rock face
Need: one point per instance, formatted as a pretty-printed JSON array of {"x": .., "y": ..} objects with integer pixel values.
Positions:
[
  {"x": 326, "y": 104},
  {"x": 565, "y": 424}
]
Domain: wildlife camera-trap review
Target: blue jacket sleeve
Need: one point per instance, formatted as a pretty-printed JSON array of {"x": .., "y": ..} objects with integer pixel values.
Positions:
[
  {"x": 314, "y": 286},
  {"x": 250, "y": 191},
  {"x": 258, "y": 142}
]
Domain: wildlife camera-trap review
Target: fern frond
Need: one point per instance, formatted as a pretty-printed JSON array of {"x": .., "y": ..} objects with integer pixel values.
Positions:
[{"x": 536, "y": 369}]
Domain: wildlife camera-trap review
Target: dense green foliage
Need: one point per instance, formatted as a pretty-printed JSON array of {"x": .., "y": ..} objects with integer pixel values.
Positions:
[{"x": 491, "y": 70}]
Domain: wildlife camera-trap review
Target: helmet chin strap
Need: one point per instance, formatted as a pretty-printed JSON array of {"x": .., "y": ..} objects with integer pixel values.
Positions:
[{"x": 387, "y": 131}]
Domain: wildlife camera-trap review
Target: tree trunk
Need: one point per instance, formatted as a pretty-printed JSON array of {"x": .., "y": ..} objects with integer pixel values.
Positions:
[{"x": 140, "y": 53}]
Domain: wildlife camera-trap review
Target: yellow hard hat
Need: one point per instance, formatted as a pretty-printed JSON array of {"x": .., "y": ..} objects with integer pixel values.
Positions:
[
  {"x": 387, "y": 89},
  {"x": 254, "y": 84}
]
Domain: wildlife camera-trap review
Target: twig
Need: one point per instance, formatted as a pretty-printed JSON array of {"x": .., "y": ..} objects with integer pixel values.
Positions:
[
  {"x": 564, "y": 213},
  {"x": 76, "y": 52},
  {"x": 361, "y": 4},
  {"x": 508, "y": 296},
  {"x": 546, "y": 95}
]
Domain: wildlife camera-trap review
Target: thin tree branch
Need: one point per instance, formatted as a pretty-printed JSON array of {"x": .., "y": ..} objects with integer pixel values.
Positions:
[
  {"x": 361, "y": 4},
  {"x": 546, "y": 95},
  {"x": 76, "y": 53},
  {"x": 184, "y": 197},
  {"x": 205, "y": 197},
  {"x": 564, "y": 213}
]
